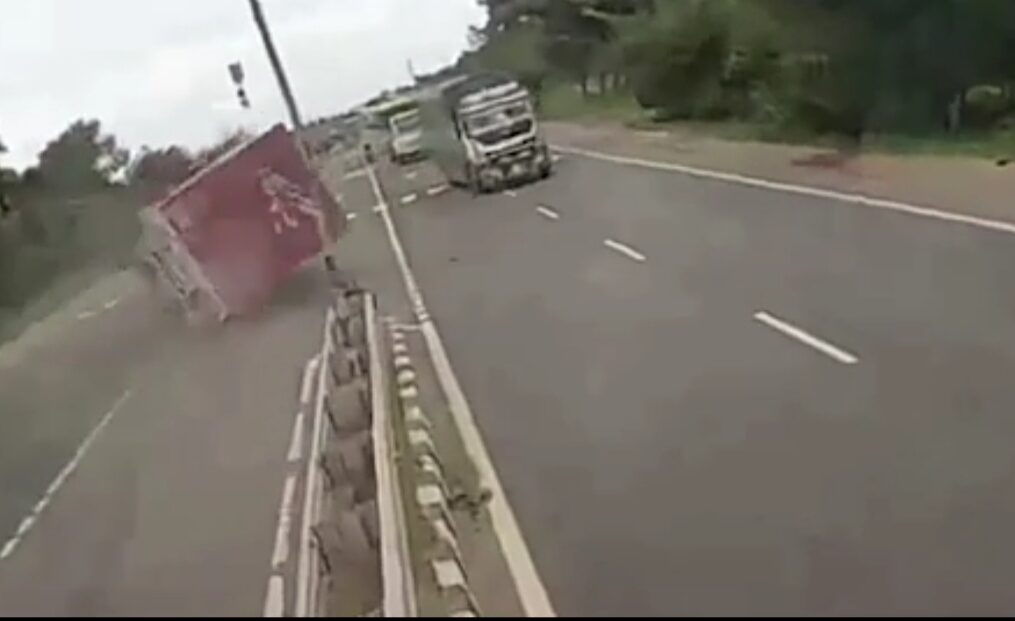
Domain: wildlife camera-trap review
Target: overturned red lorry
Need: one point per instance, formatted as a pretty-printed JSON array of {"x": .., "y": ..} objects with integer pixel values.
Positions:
[{"x": 226, "y": 238}]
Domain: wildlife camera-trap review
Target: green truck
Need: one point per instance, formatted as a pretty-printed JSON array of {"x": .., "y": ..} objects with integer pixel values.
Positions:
[{"x": 482, "y": 132}]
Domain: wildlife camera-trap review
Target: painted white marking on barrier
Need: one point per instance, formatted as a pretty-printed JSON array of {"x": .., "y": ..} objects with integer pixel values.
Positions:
[
  {"x": 402, "y": 361},
  {"x": 274, "y": 601},
  {"x": 295, "y": 452},
  {"x": 307, "y": 382},
  {"x": 625, "y": 250},
  {"x": 531, "y": 591},
  {"x": 437, "y": 189},
  {"x": 546, "y": 212},
  {"x": 280, "y": 554},
  {"x": 780, "y": 186},
  {"x": 31, "y": 519},
  {"x": 409, "y": 198},
  {"x": 806, "y": 338}
]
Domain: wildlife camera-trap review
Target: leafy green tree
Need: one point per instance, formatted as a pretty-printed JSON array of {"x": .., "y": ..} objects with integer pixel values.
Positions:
[{"x": 81, "y": 158}]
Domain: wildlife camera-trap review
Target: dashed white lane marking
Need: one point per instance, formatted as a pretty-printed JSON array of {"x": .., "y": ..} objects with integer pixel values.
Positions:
[
  {"x": 625, "y": 250},
  {"x": 280, "y": 554},
  {"x": 356, "y": 173},
  {"x": 511, "y": 193},
  {"x": 410, "y": 175},
  {"x": 555, "y": 158},
  {"x": 110, "y": 305},
  {"x": 531, "y": 591},
  {"x": 546, "y": 212},
  {"x": 806, "y": 338},
  {"x": 30, "y": 520},
  {"x": 350, "y": 216},
  {"x": 855, "y": 199},
  {"x": 437, "y": 189},
  {"x": 295, "y": 452},
  {"x": 274, "y": 601},
  {"x": 378, "y": 208},
  {"x": 409, "y": 198},
  {"x": 307, "y": 383},
  {"x": 86, "y": 314}
]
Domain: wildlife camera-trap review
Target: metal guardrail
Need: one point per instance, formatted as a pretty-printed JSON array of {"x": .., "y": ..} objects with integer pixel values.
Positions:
[{"x": 352, "y": 449}]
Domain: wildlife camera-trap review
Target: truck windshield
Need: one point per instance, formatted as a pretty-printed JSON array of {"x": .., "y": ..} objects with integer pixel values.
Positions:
[
  {"x": 406, "y": 124},
  {"x": 495, "y": 118}
]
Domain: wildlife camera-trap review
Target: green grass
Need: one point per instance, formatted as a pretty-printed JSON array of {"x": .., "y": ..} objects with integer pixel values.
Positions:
[
  {"x": 561, "y": 102},
  {"x": 564, "y": 102}
]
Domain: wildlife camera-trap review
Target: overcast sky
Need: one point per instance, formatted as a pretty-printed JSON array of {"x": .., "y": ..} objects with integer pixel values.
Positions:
[{"x": 154, "y": 72}]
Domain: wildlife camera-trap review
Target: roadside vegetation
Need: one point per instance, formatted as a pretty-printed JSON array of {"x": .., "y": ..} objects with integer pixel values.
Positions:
[
  {"x": 73, "y": 215},
  {"x": 897, "y": 75}
]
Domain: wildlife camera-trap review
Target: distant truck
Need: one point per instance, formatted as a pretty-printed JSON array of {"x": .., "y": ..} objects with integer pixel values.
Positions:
[
  {"x": 226, "y": 238},
  {"x": 482, "y": 132},
  {"x": 406, "y": 136}
]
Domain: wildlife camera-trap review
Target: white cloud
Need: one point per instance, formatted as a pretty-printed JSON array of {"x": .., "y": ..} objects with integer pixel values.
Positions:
[{"x": 155, "y": 72}]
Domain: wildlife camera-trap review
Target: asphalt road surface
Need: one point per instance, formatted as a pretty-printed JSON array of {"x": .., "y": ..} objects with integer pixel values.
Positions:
[
  {"x": 141, "y": 461},
  {"x": 710, "y": 398}
]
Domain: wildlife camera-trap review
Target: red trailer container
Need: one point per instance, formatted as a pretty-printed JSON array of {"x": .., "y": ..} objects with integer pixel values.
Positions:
[{"x": 231, "y": 234}]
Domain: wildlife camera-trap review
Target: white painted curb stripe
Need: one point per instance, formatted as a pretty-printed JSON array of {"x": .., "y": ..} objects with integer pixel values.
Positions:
[
  {"x": 855, "y": 199},
  {"x": 799, "y": 334},
  {"x": 295, "y": 452},
  {"x": 625, "y": 250},
  {"x": 534, "y": 598},
  {"x": 274, "y": 601}
]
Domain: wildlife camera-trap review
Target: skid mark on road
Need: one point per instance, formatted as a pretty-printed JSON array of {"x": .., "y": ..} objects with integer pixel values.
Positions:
[
  {"x": 54, "y": 487},
  {"x": 798, "y": 334},
  {"x": 625, "y": 250}
]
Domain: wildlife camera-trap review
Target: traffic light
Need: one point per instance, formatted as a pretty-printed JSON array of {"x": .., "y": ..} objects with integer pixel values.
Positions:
[{"x": 242, "y": 94}]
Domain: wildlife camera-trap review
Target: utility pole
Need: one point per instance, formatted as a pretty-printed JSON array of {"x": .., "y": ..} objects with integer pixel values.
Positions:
[{"x": 276, "y": 65}]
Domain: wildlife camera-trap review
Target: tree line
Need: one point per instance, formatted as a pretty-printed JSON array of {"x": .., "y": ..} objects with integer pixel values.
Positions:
[
  {"x": 848, "y": 67},
  {"x": 76, "y": 208}
]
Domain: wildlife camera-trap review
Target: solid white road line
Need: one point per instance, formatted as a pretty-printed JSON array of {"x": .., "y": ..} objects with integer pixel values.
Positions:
[
  {"x": 280, "y": 554},
  {"x": 30, "y": 520},
  {"x": 625, "y": 250},
  {"x": 546, "y": 212},
  {"x": 854, "y": 199},
  {"x": 531, "y": 591},
  {"x": 409, "y": 198},
  {"x": 436, "y": 189},
  {"x": 295, "y": 452},
  {"x": 806, "y": 338},
  {"x": 274, "y": 601}
]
